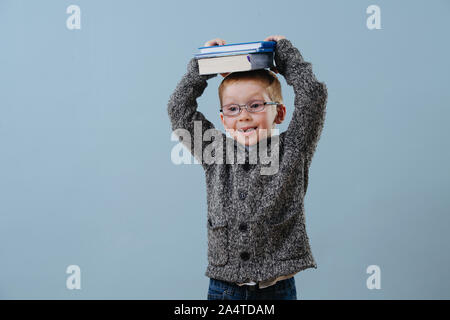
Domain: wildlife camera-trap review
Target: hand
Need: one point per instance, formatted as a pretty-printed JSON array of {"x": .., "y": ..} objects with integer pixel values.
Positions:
[
  {"x": 274, "y": 38},
  {"x": 216, "y": 42}
]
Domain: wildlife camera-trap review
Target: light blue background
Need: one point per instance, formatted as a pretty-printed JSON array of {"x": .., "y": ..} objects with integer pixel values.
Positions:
[{"x": 85, "y": 170}]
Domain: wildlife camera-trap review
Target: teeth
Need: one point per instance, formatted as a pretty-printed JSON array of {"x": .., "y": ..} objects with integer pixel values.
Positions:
[{"x": 250, "y": 129}]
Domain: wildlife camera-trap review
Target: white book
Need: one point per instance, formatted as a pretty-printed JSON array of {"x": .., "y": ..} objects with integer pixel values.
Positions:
[{"x": 235, "y": 63}]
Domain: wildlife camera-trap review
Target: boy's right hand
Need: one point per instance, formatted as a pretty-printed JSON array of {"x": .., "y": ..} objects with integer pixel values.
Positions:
[{"x": 216, "y": 42}]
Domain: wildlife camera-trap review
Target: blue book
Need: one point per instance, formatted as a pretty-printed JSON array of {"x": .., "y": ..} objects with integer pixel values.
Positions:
[
  {"x": 231, "y": 53},
  {"x": 238, "y": 46}
]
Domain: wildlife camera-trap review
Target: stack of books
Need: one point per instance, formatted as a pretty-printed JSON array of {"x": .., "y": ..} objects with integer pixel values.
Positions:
[{"x": 235, "y": 57}]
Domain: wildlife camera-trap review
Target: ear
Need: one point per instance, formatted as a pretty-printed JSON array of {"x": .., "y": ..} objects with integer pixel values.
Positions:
[
  {"x": 281, "y": 113},
  {"x": 221, "y": 118}
]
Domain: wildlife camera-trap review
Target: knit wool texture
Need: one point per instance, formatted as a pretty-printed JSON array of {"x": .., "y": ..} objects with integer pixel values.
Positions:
[{"x": 256, "y": 223}]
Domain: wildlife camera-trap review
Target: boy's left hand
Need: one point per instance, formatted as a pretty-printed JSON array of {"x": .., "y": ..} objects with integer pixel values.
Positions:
[{"x": 274, "y": 38}]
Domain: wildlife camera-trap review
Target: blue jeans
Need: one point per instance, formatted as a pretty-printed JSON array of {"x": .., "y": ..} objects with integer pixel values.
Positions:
[{"x": 222, "y": 290}]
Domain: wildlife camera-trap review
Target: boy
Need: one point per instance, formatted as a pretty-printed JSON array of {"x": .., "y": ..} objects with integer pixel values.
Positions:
[{"x": 257, "y": 237}]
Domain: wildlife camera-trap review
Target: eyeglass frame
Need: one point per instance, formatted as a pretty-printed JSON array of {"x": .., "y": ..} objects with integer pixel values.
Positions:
[{"x": 241, "y": 106}]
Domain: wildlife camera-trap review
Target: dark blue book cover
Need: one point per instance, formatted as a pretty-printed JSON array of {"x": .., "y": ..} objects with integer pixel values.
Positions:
[
  {"x": 230, "y": 53},
  {"x": 238, "y": 46}
]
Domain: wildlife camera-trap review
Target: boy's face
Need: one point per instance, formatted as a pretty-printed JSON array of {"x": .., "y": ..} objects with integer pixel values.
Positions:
[{"x": 243, "y": 92}]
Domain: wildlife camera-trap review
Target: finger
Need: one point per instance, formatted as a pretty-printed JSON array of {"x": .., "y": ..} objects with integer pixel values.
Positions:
[
  {"x": 275, "y": 38},
  {"x": 272, "y": 38},
  {"x": 214, "y": 42},
  {"x": 209, "y": 43},
  {"x": 220, "y": 42}
]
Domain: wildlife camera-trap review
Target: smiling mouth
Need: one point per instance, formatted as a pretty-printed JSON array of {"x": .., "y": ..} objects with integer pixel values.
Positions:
[{"x": 247, "y": 130}]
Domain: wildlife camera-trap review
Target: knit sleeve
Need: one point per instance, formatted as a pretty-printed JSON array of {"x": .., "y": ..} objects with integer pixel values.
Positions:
[
  {"x": 182, "y": 110},
  {"x": 308, "y": 117}
]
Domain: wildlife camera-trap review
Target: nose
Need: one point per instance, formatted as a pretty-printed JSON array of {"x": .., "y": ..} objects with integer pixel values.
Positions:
[{"x": 244, "y": 114}]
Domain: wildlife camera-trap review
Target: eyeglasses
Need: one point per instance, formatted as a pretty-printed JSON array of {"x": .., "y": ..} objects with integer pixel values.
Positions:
[{"x": 233, "y": 109}]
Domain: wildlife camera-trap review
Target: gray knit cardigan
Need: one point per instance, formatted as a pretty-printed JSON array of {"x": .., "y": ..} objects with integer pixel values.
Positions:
[{"x": 256, "y": 222}]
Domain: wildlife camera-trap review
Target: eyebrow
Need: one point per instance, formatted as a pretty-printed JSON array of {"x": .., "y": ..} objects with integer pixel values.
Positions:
[{"x": 251, "y": 99}]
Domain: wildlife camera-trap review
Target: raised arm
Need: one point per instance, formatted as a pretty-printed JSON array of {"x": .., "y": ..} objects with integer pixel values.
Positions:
[
  {"x": 311, "y": 95},
  {"x": 182, "y": 108}
]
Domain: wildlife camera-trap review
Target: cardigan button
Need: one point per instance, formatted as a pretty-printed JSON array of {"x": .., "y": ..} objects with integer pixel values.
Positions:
[
  {"x": 242, "y": 194},
  {"x": 245, "y": 255},
  {"x": 243, "y": 226}
]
